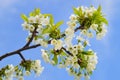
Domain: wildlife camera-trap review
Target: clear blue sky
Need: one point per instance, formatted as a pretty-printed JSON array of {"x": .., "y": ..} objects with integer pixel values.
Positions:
[{"x": 13, "y": 37}]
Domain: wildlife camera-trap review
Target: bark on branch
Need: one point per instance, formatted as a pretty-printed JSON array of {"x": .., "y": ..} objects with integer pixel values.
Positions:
[{"x": 27, "y": 45}]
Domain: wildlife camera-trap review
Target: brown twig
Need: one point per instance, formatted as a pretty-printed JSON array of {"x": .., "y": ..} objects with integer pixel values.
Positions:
[
  {"x": 30, "y": 40},
  {"x": 67, "y": 51},
  {"x": 22, "y": 57},
  {"x": 27, "y": 47}
]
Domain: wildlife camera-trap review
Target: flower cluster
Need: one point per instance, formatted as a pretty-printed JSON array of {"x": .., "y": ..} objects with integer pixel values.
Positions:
[
  {"x": 91, "y": 20},
  {"x": 9, "y": 72},
  {"x": 68, "y": 49},
  {"x": 78, "y": 60}
]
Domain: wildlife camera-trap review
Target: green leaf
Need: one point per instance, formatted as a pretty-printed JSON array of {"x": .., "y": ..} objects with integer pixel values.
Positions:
[
  {"x": 87, "y": 52},
  {"x": 63, "y": 53},
  {"x": 51, "y": 18},
  {"x": 99, "y": 8},
  {"x": 24, "y": 17},
  {"x": 31, "y": 14},
  {"x": 47, "y": 30},
  {"x": 75, "y": 11},
  {"x": 104, "y": 20},
  {"x": 55, "y": 59},
  {"x": 58, "y": 24},
  {"x": 37, "y": 11},
  {"x": 80, "y": 12}
]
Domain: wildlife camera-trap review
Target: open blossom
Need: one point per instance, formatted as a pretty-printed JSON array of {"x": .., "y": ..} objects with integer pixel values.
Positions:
[
  {"x": 57, "y": 44},
  {"x": 87, "y": 42},
  {"x": 71, "y": 24},
  {"x": 68, "y": 41},
  {"x": 31, "y": 19},
  {"x": 39, "y": 29},
  {"x": 102, "y": 33},
  {"x": 45, "y": 56},
  {"x": 92, "y": 61},
  {"x": 41, "y": 42},
  {"x": 69, "y": 32},
  {"x": 79, "y": 38},
  {"x": 20, "y": 78},
  {"x": 26, "y": 26},
  {"x": 45, "y": 21},
  {"x": 88, "y": 11},
  {"x": 9, "y": 72},
  {"x": 73, "y": 17},
  {"x": 36, "y": 66},
  {"x": 94, "y": 27}
]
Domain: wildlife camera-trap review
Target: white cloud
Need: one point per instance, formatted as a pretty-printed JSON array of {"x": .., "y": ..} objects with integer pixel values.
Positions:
[
  {"x": 7, "y": 3},
  {"x": 7, "y": 6}
]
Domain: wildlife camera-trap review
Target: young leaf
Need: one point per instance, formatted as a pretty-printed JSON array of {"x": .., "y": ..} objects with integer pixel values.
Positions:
[
  {"x": 99, "y": 8},
  {"x": 75, "y": 11},
  {"x": 37, "y": 11},
  {"x": 24, "y": 17},
  {"x": 58, "y": 24},
  {"x": 55, "y": 59},
  {"x": 47, "y": 30},
  {"x": 51, "y": 18}
]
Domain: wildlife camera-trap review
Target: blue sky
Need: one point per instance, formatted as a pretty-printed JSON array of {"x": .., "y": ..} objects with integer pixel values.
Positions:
[{"x": 13, "y": 37}]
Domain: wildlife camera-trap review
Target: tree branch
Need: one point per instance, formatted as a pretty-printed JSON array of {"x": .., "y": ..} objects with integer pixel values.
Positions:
[
  {"x": 18, "y": 51},
  {"x": 30, "y": 40},
  {"x": 27, "y": 47},
  {"x": 20, "y": 54},
  {"x": 67, "y": 51},
  {"x": 79, "y": 60}
]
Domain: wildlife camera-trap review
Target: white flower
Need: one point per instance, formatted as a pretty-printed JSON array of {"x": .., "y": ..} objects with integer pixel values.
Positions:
[
  {"x": 94, "y": 27},
  {"x": 10, "y": 71},
  {"x": 102, "y": 33},
  {"x": 52, "y": 62},
  {"x": 89, "y": 34},
  {"x": 36, "y": 66},
  {"x": 89, "y": 11},
  {"x": 69, "y": 32},
  {"x": 61, "y": 66},
  {"x": 70, "y": 71},
  {"x": 45, "y": 21},
  {"x": 92, "y": 61},
  {"x": 80, "y": 46},
  {"x": 71, "y": 24},
  {"x": 27, "y": 73},
  {"x": 45, "y": 56},
  {"x": 83, "y": 32},
  {"x": 31, "y": 19},
  {"x": 87, "y": 42},
  {"x": 38, "y": 19},
  {"x": 68, "y": 61},
  {"x": 80, "y": 38},
  {"x": 76, "y": 66},
  {"x": 31, "y": 27},
  {"x": 57, "y": 44},
  {"x": 74, "y": 59},
  {"x": 53, "y": 42},
  {"x": 41, "y": 42},
  {"x": 68, "y": 41},
  {"x": 73, "y": 17},
  {"x": 74, "y": 51},
  {"x": 78, "y": 76},
  {"x": 39, "y": 29},
  {"x": 20, "y": 78},
  {"x": 26, "y": 26}
]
